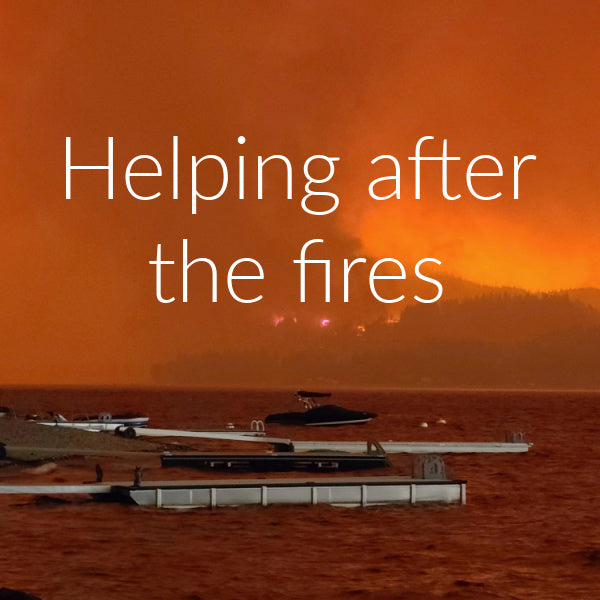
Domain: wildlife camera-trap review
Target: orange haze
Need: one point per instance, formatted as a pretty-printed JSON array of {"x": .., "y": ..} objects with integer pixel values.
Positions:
[{"x": 351, "y": 80}]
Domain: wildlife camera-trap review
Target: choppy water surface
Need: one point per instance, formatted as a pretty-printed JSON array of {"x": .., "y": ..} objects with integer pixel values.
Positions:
[{"x": 530, "y": 528}]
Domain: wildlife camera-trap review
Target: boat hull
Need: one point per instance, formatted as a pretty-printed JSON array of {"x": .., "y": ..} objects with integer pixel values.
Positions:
[
  {"x": 328, "y": 415},
  {"x": 127, "y": 419}
]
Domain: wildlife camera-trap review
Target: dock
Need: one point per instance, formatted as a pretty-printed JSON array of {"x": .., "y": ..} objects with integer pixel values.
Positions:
[
  {"x": 352, "y": 492},
  {"x": 391, "y": 447},
  {"x": 58, "y": 489},
  {"x": 339, "y": 491},
  {"x": 277, "y": 461},
  {"x": 232, "y": 435},
  {"x": 418, "y": 447},
  {"x": 141, "y": 431}
]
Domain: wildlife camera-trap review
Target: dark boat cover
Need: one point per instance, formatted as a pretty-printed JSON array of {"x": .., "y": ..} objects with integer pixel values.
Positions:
[{"x": 329, "y": 414}]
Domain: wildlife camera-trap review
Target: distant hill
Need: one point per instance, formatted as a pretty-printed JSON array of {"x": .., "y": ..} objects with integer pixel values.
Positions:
[
  {"x": 494, "y": 339},
  {"x": 506, "y": 318},
  {"x": 456, "y": 288},
  {"x": 589, "y": 296}
]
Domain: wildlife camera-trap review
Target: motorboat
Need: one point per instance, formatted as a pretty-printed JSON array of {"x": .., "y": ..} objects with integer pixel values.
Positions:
[
  {"x": 128, "y": 419},
  {"x": 104, "y": 421},
  {"x": 317, "y": 415}
]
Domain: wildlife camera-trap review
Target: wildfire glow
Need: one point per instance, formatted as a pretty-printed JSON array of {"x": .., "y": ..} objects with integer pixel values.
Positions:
[{"x": 491, "y": 250}]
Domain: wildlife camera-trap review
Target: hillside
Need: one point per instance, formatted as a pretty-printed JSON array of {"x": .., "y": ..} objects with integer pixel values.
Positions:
[{"x": 496, "y": 340}]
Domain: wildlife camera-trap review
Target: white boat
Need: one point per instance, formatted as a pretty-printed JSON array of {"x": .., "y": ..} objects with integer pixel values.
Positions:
[
  {"x": 102, "y": 422},
  {"x": 128, "y": 419}
]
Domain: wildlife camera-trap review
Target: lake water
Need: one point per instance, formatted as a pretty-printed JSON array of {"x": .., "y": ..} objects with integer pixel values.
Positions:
[{"x": 530, "y": 528}]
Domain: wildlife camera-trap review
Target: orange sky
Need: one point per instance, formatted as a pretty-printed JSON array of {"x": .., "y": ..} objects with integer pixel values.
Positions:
[{"x": 353, "y": 80}]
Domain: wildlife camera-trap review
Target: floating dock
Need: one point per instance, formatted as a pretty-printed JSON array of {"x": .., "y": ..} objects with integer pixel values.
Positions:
[
  {"x": 231, "y": 435},
  {"x": 418, "y": 447},
  {"x": 352, "y": 491},
  {"x": 277, "y": 461},
  {"x": 58, "y": 489},
  {"x": 130, "y": 431},
  {"x": 390, "y": 447}
]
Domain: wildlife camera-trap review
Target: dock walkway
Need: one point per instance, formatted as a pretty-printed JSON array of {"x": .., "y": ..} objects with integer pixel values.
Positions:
[
  {"x": 343, "y": 491},
  {"x": 418, "y": 447}
]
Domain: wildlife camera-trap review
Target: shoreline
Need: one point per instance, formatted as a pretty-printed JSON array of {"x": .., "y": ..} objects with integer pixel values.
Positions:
[{"x": 27, "y": 441}]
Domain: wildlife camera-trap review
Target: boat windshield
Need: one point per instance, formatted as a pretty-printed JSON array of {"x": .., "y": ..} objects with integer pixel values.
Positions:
[{"x": 308, "y": 398}]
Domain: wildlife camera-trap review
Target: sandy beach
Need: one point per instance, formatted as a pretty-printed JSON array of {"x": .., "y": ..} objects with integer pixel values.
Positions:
[{"x": 27, "y": 441}]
